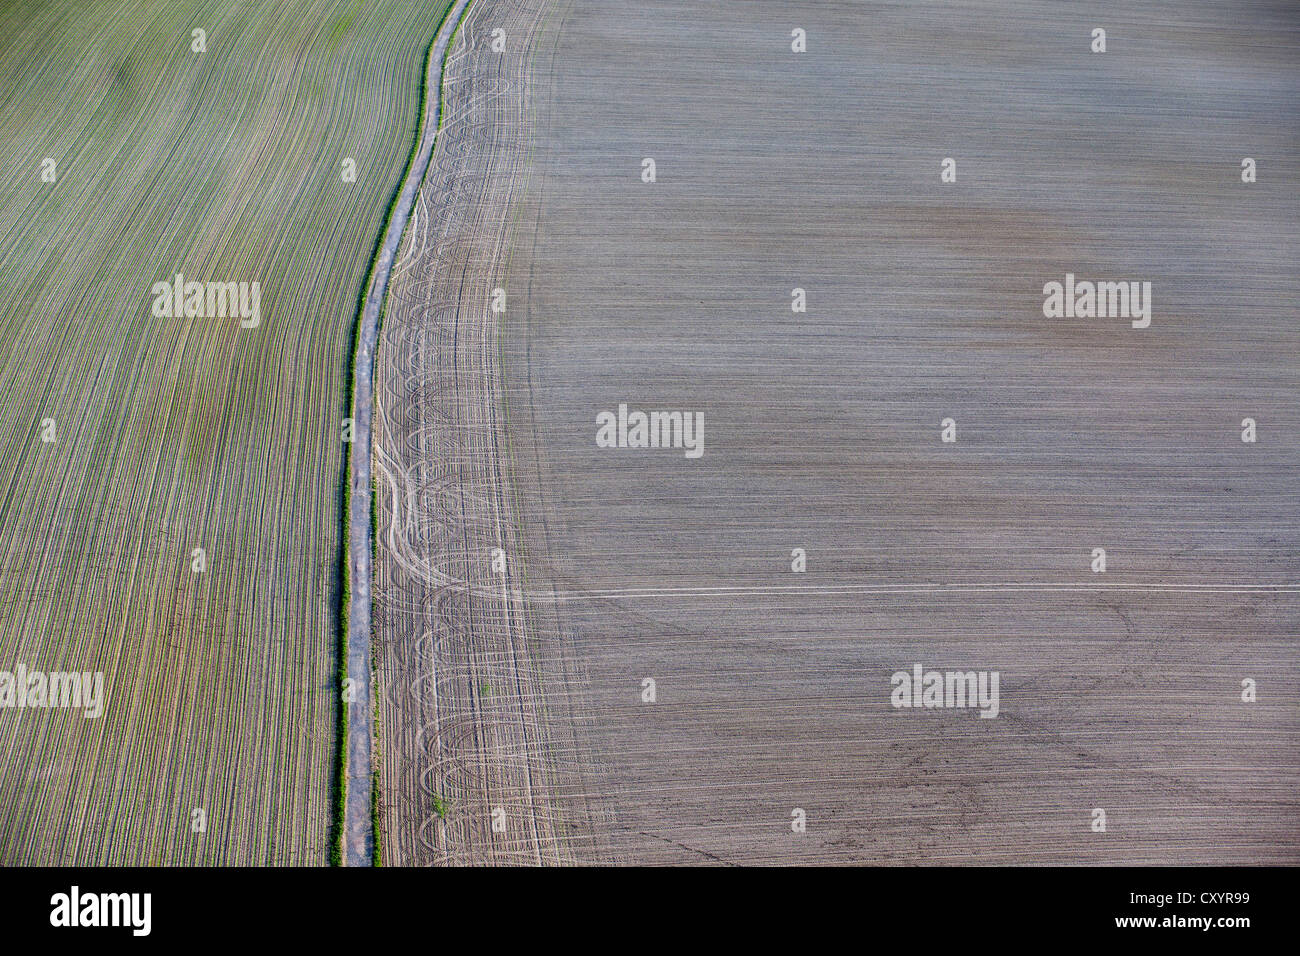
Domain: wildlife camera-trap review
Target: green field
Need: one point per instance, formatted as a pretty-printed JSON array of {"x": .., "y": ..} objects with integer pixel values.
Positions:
[{"x": 181, "y": 433}]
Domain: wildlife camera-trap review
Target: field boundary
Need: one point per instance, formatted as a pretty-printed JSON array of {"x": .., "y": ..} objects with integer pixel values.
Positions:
[{"x": 355, "y": 811}]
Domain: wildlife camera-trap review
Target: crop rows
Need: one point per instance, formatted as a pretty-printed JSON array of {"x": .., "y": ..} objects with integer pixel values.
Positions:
[
  {"x": 175, "y": 434},
  {"x": 1120, "y": 690}
]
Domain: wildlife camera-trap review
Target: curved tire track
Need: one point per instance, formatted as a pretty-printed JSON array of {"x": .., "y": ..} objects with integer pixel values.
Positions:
[{"x": 358, "y": 849}]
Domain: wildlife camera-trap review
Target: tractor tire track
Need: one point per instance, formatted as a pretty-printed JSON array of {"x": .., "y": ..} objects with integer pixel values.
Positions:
[
  {"x": 358, "y": 835},
  {"x": 480, "y": 766}
]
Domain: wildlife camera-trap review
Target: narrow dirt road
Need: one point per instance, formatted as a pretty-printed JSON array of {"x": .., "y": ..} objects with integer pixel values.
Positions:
[{"x": 359, "y": 840}]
